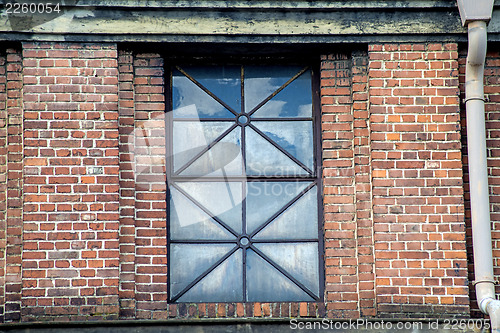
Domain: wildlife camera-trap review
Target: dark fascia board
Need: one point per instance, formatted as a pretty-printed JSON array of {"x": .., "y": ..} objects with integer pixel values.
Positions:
[
  {"x": 267, "y": 4},
  {"x": 206, "y": 40}
]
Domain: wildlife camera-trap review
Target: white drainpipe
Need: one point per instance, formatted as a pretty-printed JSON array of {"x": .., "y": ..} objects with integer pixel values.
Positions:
[{"x": 478, "y": 174}]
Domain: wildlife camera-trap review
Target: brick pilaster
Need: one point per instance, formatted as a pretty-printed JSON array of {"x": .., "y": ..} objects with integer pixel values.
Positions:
[
  {"x": 14, "y": 227},
  {"x": 3, "y": 180},
  {"x": 127, "y": 185},
  {"x": 150, "y": 188},
  {"x": 362, "y": 169},
  {"x": 339, "y": 188}
]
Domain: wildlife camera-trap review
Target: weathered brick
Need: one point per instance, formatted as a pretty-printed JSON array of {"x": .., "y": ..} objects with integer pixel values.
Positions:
[
  {"x": 402, "y": 115},
  {"x": 77, "y": 83}
]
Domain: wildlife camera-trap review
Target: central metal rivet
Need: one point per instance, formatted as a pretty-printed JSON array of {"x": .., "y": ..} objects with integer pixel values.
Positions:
[
  {"x": 243, "y": 120},
  {"x": 244, "y": 241}
]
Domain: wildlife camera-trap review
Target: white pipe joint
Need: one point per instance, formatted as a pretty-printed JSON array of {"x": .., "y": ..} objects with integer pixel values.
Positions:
[
  {"x": 493, "y": 310},
  {"x": 475, "y": 61}
]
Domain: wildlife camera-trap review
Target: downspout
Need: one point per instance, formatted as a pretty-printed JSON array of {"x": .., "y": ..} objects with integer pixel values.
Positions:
[{"x": 478, "y": 174}]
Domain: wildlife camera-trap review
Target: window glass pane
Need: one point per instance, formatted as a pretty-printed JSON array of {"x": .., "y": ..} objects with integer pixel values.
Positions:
[
  {"x": 296, "y": 137},
  {"x": 295, "y": 100},
  {"x": 264, "y": 199},
  {"x": 223, "y": 159},
  {"x": 262, "y": 81},
  {"x": 266, "y": 284},
  {"x": 192, "y": 137},
  {"x": 263, "y": 159},
  {"x": 223, "y": 284},
  {"x": 222, "y": 199},
  {"x": 190, "y": 101},
  {"x": 188, "y": 221},
  {"x": 223, "y": 81},
  {"x": 192, "y": 260},
  {"x": 300, "y": 260},
  {"x": 299, "y": 221}
]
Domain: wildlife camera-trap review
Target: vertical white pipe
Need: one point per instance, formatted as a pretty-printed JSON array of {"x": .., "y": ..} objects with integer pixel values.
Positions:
[{"x": 478, "y": 173}]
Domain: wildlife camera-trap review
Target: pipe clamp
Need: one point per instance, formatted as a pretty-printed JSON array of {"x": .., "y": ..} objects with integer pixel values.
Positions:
[
  {"x": 484, "y": 281},
  {"x": 474, "y": 99}
]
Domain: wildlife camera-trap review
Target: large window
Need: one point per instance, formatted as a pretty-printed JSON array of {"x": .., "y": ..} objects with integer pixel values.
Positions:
[{"x": 243, "y": 182}]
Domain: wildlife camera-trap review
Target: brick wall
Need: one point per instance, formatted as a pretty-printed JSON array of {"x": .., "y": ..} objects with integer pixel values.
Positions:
[
  {"x": 83, "y": 165},
  {"x": 70, "y": 254},
  {"x": 421, "y": 266}
]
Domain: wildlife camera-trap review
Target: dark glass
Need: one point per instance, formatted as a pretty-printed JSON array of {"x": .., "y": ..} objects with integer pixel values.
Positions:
[
  {"x": 296, "y": 137},
  {"x": 262, "y": 81},
  {"x": 300, "y": 260},
  {"x": 223, "y": 159},
  {"x": 295, "y": 100},
  {"x": 191, "y": 261},
  {"x": 191, "y": 101},
  {"x": 266, "y": 284},
  {"x": 188, "y": 221},
  {"x": 223, "y": 81},
  {"x": 223, "y": 284},
  {"x": 192, "y": 137},
  {"x": 221, "y": 199},
  {"x": 264, "y": 159},
  {"x": 299, "y": 221},
  {"x": 264, "y": 199}
]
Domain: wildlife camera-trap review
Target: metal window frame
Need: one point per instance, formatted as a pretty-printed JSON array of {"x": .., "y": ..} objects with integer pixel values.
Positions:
[{"x": 314, "y": 177}]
